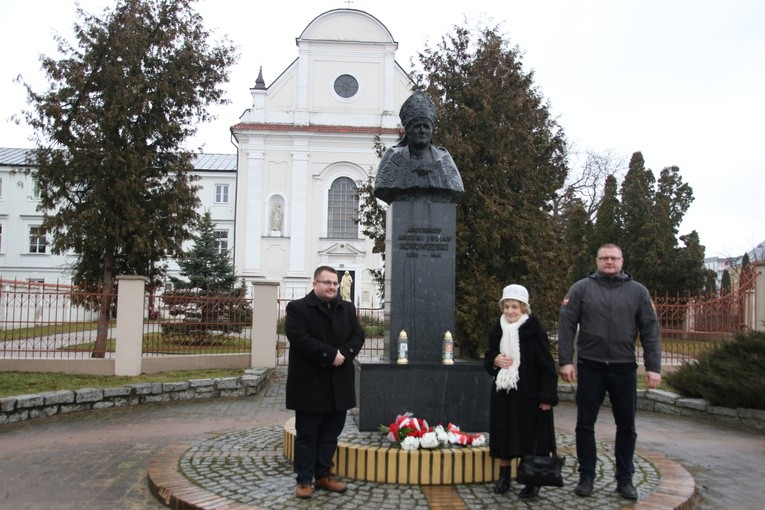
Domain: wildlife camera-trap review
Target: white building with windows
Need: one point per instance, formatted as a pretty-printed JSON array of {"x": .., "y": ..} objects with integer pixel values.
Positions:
[
  {"x": 287, "y": 201},
  {"x": 733, "y": 264},
  {"x": 25, "y": 252}
]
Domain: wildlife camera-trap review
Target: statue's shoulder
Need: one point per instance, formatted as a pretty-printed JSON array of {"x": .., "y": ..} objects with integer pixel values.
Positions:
[
  {"x": 390, "y": 167},
  {"x": 441, "y": 152},
  {"x": 395, "y": 155}
]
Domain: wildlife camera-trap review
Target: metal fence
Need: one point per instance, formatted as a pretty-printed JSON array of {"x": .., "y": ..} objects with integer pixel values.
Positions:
[
  {"x": 197, "y": 322},
  {"x": 50, "y": 321},
  {"x": 60, "y": 321},
  {"x": 372, "y": 320},
  {"x": 691, "y": 325}
]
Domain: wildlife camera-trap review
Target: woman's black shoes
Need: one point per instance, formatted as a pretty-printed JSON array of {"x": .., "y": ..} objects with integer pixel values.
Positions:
[
  {"x": 528, "y": 492},
  {"x": 503, "y": 484}
]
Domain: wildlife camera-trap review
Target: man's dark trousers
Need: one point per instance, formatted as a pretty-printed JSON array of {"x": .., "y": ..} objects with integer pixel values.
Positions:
[
  {"x": 315, "y": 443},
  {"x": 592, "y": 385}
]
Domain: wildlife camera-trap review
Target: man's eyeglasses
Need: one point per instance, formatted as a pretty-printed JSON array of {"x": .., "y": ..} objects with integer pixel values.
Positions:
[
  {"x": 328, "y": 283},
  {"x": 607, "y": 259}
]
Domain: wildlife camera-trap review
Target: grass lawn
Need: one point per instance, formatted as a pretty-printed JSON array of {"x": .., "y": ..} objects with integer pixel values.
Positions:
[
  {"x": 48, "y": 329},
  {"x": 21, "y": 383}
]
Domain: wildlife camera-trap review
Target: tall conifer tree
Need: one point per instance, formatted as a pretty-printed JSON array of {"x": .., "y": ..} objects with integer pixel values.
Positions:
[
  {"x": 636, "y": 209},
  {"x": 577, "y": 238},
  {"x": 113, "y": 174},
  {"x": 511, "y": 155},
  {"x": 608, "y": 224}
]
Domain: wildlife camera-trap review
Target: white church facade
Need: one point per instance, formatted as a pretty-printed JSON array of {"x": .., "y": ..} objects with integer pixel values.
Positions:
[
  {"x": 305, "y": 144},
  {"x": 287, "y": 201}
]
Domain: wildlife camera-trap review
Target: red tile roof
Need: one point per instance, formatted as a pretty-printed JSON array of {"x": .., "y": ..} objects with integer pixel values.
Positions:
[{"x": 316, "y": 128}]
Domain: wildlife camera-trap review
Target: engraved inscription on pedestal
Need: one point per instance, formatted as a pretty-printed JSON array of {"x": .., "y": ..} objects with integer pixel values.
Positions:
[{"x": 421, "y": 253}]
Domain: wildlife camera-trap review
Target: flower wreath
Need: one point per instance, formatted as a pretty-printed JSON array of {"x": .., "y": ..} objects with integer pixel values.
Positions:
[{"x": 412, "y": 433}]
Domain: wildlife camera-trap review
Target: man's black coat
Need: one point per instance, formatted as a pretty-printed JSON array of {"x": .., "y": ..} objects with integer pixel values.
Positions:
[{"x": 316, "y": 332}]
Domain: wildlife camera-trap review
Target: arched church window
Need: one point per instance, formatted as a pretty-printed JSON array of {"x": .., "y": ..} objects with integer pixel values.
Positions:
[{"x": 343, "y": 209}]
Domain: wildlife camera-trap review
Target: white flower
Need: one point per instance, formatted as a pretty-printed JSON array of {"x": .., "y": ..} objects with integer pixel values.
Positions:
[
  {"x": 410, "y": 443},
  {"x": 429, "y": 440},
  {"x": 456, "y": 438},
  {"x": 441, "y": 434}
]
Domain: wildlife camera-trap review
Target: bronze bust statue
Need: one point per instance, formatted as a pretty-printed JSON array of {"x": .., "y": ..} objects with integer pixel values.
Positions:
[{"x": 415, "y": 169}]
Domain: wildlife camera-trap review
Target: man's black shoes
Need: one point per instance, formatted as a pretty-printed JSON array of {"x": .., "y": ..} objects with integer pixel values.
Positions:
[
  {"x": 626, "y": 490},
  {"x": 623, "y": 487},
  {"x": 584, "y": 487}
]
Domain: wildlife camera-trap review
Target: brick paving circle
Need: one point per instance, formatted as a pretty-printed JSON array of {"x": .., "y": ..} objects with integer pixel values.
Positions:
[{"x": 247, "y": 469}]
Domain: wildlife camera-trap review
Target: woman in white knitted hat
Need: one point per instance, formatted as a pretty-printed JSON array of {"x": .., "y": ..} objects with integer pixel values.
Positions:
[{"x": 525, "y": 382}]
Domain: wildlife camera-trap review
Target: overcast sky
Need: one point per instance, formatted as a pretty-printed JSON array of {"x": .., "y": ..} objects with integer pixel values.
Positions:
[{"x": 682, "y": 81}]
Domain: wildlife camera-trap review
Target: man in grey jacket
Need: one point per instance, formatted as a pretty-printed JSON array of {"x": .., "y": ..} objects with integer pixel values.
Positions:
[{"x": 610, "y": 310}]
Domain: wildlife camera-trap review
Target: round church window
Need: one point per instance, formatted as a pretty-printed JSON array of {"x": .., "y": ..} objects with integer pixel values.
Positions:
[{"x": 346, "y": 86}]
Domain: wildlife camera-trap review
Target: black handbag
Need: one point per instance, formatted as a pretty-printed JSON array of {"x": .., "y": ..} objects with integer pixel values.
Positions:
[{"x": 542, "y": 470}]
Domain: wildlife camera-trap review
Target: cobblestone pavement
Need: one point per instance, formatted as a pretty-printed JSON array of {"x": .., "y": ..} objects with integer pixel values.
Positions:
[
  {"x": 248, "y": 467},
  {"x": 99, "y": 459}
]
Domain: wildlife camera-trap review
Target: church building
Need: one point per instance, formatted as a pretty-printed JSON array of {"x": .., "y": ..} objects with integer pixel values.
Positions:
[
  {"x": 288, "y": 200},
  {"x": 305, "y": 145}
]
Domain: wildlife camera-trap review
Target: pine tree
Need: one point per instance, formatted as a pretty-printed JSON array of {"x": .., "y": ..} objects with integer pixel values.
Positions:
[
  {"x": 665, "y": 270},
  {"x": 205, "y": 267},
  {"x": 608, "y": 224},
  {"x": 688, "y": 274},
  {"x": 511, "y": 155},
  {"x": 577, "y": 237},
  {"x": 651, "y": 212},
  {"x": 725, "y": 284},
  {"x": 113, "y": 176},
  {"x": 745, "y": 263},
  {"x": 636, "y": 210},
  {"x": 205, "y": 296}
]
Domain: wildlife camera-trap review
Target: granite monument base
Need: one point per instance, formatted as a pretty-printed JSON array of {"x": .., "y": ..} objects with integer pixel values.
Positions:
[
  {"x": 420, "y": 258},
  {"x": 433, "y": 391}
]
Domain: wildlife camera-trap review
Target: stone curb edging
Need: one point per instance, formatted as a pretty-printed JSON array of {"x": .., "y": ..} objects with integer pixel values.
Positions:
[
  {"x": 169, "y": 485},
  {"x": 39, "y": 405},
  {"x": 666, "y": 402}
]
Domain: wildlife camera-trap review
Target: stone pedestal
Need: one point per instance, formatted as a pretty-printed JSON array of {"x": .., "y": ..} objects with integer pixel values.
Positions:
[
  {"x": 438, "y": 393},
  {"x": 420, "y": 263},
  {"x": 419, "y": 276}
]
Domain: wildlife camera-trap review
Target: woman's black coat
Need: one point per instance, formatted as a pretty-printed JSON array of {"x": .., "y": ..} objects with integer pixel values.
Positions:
[
  {"x": 515, "y": 413},
  {"x": 316, "y": 332}
]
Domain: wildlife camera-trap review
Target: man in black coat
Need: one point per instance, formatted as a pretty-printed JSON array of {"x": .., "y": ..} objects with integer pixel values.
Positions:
[{"x": 325, "y": 336}]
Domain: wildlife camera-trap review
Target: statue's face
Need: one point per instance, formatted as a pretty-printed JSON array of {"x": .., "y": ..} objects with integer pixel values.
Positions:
[{"x": 420, "y": 132}]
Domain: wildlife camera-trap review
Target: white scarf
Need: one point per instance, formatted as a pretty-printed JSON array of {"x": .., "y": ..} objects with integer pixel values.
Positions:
[{"x": 509, "y": 345}]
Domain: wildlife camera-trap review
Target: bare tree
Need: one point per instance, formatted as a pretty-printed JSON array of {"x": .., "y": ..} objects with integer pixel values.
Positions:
[{"x": 587, "y": 178}]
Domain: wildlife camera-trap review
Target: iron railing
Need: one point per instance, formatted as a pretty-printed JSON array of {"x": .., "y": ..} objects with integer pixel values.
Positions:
[
  {"x": 61, "y": 321},
  {"x": 372, "y": 320},
  {"x": 51, "y": 321}
]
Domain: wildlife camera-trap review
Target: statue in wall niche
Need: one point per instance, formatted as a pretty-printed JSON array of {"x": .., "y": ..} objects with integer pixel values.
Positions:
[
  {"x": 415, "y": 169},
  {"x": 345, "y": 286},
  {"x": 276, "y": 218}
]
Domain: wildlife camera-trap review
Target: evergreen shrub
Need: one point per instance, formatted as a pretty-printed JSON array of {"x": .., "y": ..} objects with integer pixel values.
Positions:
[{"x": 731, "y": 375}]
